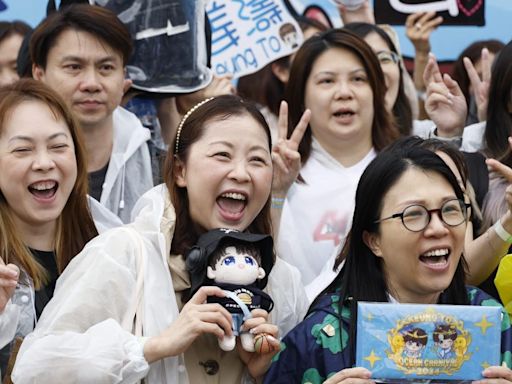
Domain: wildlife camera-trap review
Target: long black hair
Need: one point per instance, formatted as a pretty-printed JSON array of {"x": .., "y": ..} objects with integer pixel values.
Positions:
[{"x": 361, "y": 264}]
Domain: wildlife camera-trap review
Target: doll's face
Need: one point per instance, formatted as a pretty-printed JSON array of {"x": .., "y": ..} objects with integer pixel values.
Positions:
[
  {"x": 446, "y": 343},
  {"x": 236, "y": 268},
  {"x": 413, "y": 346}
]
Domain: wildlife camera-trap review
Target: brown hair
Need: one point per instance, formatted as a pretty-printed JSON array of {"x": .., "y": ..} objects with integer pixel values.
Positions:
[
  {"x": 75, "y": 226},
  {"x": 9, "y": 28},
  {"x": 285, "y": 29},
  {"x": 99, "y": 22},
  {"x": 447, "y": 330},
  {"x": 384, "y": 131},
  {"x": 223, "y": 107},
  {"x": 416, "y": 335}
]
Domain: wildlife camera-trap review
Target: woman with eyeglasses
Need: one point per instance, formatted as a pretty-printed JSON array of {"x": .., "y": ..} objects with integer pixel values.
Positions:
[
  {"x": 406, "y": 246},
  {"x": 397, "y": 100},
  {"x": 337, "y": 77}
]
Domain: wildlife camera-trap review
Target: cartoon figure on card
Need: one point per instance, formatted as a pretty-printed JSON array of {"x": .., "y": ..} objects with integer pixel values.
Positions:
[
  {"x": 415, "y": 342},
  {"x": 239, "y": 263},
  {"x": 444, "y": 340},
  {"x": 288, "y": 34}
]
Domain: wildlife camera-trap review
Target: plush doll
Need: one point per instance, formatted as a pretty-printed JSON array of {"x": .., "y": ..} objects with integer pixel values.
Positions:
[{"x": 239, "y": 263}]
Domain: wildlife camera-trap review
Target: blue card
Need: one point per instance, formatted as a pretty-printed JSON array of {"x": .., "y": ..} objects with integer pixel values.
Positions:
[{"x": 427, "y": 342}]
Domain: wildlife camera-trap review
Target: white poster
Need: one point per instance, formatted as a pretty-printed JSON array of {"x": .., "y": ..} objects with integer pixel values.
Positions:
[{"x": 248, "y": 34}]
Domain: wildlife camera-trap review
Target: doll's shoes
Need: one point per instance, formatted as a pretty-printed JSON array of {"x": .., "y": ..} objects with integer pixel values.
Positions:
[
  {"x": 247, "y": 340},
  {"x": 228, "y": 343}
]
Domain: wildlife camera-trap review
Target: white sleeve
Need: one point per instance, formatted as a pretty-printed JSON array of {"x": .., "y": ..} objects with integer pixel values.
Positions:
[
  {"x": 79, "y": 338},
  {"x": 290, "y": 299},
  {"x": 8, "y": 323}
]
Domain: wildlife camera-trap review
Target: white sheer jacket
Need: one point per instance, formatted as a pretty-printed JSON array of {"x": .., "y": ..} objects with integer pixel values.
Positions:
[{"x": 86, "y": 335}]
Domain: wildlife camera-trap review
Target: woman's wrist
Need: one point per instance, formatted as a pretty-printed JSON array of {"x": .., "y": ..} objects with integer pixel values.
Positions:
[
  {"x": 277, "y": 202},
  {"x": 506, "y": 221},
  {"x": 500, "y": 230},
  {"x": 153, "y": 349}
]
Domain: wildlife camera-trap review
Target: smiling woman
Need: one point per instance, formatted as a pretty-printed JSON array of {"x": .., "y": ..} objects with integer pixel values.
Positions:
[
  {"x": 125, "y": 296},
  {"x": 44, "y": 216},
  {"x": 405, "y": 246}
]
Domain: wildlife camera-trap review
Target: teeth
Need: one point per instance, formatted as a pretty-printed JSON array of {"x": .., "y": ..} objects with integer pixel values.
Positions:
[
  {"x": 436, "y": 252},
  {"x": 43, "y": 185},
  {"x": 235, "y": 196}
]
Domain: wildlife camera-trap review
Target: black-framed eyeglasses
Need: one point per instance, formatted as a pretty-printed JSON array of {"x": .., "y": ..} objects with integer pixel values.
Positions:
[
  {"x": 387, "y": 57},
  {"x": 416, "y": 217}
]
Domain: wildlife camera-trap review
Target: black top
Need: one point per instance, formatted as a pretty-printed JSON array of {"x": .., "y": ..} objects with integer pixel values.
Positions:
[
  {"x": 96, "y": 180},
  {"x": 43, "y": 295},
  {"x": 250, "y": 295}
]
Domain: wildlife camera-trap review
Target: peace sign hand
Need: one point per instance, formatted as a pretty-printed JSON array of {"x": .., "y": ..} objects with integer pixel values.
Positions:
[
  {"x": 285, "y": 154},
  {"x": 480, "y": 86}
]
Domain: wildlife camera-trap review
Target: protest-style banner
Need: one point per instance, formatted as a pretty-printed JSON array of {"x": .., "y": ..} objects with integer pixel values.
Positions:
[
  {"x": 248, "y": 34},
  {"x": 454, "y": 12}
]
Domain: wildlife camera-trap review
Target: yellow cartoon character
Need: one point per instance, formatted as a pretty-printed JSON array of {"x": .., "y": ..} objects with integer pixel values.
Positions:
[
  {"x": 460, "y": 346},
  {"x": 397, "y": 343}
]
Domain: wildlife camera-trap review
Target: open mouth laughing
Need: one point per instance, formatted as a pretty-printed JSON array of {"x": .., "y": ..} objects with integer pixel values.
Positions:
[
  {"x": 44, "y": 190},
  {"x": 232, "y": 205}
]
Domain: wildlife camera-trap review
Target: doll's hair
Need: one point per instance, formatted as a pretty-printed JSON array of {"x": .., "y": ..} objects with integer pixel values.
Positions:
[
  {"x": 416, "y": 335},
  {"x": 448, "y": 331},
  {"x": 240, "y": 246}
]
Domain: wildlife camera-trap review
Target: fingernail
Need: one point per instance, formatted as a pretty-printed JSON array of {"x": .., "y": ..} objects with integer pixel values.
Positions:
[{"x": 272, "y": 338}]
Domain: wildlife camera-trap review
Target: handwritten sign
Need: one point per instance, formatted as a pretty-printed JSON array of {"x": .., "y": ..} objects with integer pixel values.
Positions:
[
  {"x": 248, "y": 34},
  {"x": 454, "y": 12}
]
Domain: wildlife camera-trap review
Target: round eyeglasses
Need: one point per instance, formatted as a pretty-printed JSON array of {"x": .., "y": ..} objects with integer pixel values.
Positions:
[{"x": 416, "y": 217}]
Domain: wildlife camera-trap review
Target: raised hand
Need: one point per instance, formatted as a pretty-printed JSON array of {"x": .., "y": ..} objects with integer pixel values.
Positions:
[
  {"x": 480, "y": 86},
  {"x": 445, "y": 103},
  {"x": 418, "y": 28},
  {"x": 432, "y": 73},
  {"x": 196, "y": 317},
  {"x": 363, "y": 14},
  {"x": 9, "y": 275},
  {"x": 505, "y": 172},
  {"x": 285, "y": 155}
]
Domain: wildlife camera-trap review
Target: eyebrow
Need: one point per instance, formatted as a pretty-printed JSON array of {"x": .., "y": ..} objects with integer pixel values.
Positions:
[
  {"x": 28, "y": 138},
  {"x": 327, "y": 72},
  {"x": 231, "y": 145},
  {"x": 81, "y": 59},
  {"x": 422, "y": 202}
]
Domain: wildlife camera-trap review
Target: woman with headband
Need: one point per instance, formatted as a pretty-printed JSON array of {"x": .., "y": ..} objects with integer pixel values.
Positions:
[{"x": 120, "y": 312}]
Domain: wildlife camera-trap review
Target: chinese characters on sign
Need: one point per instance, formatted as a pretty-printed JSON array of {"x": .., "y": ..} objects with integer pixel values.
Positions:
[{"x": 248, "y": 34}]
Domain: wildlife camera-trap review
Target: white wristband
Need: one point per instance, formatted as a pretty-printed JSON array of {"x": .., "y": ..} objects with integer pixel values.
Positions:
[{"x": 502, "y": 232}]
